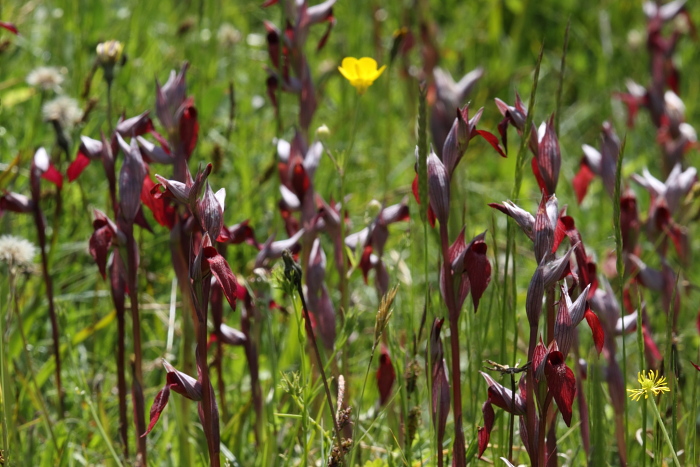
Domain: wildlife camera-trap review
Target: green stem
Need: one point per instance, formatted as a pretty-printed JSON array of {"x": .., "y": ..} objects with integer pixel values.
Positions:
[
  {"x": 655, "y": 409},
  {"x": 32, "y": 374},
  {"x": 3, "y": 373}
]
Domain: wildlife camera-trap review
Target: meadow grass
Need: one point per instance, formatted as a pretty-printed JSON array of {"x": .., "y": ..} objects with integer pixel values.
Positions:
[{"x": 372, "y": 139}]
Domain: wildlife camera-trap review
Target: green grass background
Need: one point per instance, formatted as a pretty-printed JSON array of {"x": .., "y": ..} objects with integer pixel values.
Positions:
[{"x": 502, "y": 36}]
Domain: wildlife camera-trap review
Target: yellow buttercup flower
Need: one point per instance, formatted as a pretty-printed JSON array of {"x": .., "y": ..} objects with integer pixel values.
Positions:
[
  {"x": 361, "y": 73},
  {"x": 653, "y": 383}
]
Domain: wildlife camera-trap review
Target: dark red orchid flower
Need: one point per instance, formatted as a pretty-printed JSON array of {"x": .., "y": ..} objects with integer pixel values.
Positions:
[
  {"x": 186, "y": 193},
  {"x": 272, "y": 250},
  {"x": 15, "y": 202},
  {"x": 561, "y": 384},
  {"x": 502, "y": 397},
  {"x": 547, "y": 161},
  {"x": 386, "y": 375},
  {"x": 43, "y": 167},
  {"x": 10, "y": 27},
  {"x": 163, "y": 211},
  {"x": 105, "y": 235},
  {"x": 448, "y": 95},
  {"x": 462, "y": 131},
  {"x": 221, "y": 270},
  {"x": 179, "y": 382},
  {"x": 470, "y": 266},
  {"x": 239, "y": 233},
  {"x": 515, "y": 115}
]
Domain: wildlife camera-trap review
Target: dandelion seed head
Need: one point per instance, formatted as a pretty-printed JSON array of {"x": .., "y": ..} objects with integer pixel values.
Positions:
[
  {"x": 64, "y": 110},
  {"x": 46, "y": 78},
  {"x": 17, "y": 252},
  {"x": 228, "y": 36}
]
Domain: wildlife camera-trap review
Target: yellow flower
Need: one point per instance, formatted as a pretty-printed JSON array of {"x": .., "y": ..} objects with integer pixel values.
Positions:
[
  {"x": 650, "y": 384},
  {"x": 361, "y": 73}
]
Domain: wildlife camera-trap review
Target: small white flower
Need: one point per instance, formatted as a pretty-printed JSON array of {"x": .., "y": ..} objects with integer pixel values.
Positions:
[
  {"x": 323, "y": 131},
  {"x": 46, "y": 78},
  {"x": 228, "y": 36},
  {"x": 17, "y": 252},
  {"x": 675, "y": 108},
  {"x": 64, "y": 110}
]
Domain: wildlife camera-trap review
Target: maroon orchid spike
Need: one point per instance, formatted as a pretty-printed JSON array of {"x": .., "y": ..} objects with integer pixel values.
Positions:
[
  {"x": 602, "y": 163},
  {"x": 90, "y": 149},
  {"x": 567, "y": 224},
  {"x": 456, "y": 253},
  {"x": 501, "y": 397},
  {"x": 272, "y": 250},
  {"x": 104, "y": 236},
  {"x": 473, "y": 262},
  {"x": 228, "y": 335},
  {"x": 547, "y": 161},
  {"x": 545, "y": 226},
  {"x": 131, "y": 178},
  {"x": 514, "y": 115},
  {"x": 15, "y": 202},
  {"x": 220, "y": 269},
  {"x": 440, "y": 391},
  {"x": 317, "y": 296},
  {"x": 10, "y": 27},
  {"x": 629, "y": 221},
  {"x": 462, "y": 131},
  {"x": 449, "y": 95},
  {"x": 170, "y": 97},
  {"x": 178, "y": 115},
  {"x": 239, "y": 233},
  {"x": 154, "y": 153},
  {"x": 673, "y": 190},
  {"x": 44, "y": 168},
  {"x": 569, "y": 315},
  {"x": 371, "y": 241},
  {"x": 561, "y": 384},
  {"x": 535, "y": 294},
  {"x": 386, "y": 375},
  {"x": 211, "y": 210},
  {"x": 635, "y": 97},
  {"x": 524, "y": 219},
  {"x": 179, "y": 382},
  {"x": 302, "y": 17},
  {"x": 414, "y": 188},
  {"x": 186, "y": 193},
  {"x": 438, "y": 188},
  {"x": 163, "y": 211},
  {"x": 135, "y": 126}
]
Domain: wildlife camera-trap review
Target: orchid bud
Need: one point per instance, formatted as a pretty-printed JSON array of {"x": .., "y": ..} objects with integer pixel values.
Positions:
[
  {"x": 545, "y": 223},
  {"x": 211, "y": 211},
  {"x": 130, "y": 180},
  {"x": 548, "y": 157},
  {"x": 438, "y": 188}
]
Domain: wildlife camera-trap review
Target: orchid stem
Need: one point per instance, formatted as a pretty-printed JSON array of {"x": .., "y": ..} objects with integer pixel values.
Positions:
[{"x": 459, "y": 454}]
